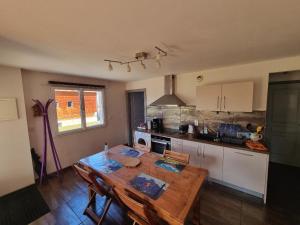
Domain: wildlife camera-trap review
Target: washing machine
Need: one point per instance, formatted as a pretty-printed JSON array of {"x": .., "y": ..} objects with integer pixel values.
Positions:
[{"x": 142, "y": 138}]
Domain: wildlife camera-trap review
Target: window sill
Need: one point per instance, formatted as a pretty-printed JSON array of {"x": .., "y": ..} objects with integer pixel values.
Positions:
[{"x": 80, "y": 130}]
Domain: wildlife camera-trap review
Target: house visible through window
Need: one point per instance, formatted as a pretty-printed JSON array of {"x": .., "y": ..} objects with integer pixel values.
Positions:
[{"x": 78, "y": 108}]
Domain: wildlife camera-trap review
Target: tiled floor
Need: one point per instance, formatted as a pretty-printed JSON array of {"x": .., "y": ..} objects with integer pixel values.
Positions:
[{"x": 219, "y": 206}]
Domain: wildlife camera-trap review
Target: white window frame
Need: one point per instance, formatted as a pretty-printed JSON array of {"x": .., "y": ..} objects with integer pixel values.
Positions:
[{"x": 82, "y": 109}]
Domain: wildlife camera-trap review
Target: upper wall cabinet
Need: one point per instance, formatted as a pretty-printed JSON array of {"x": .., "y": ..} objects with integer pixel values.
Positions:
[
  {"x": 209, "y": 97},
  {"x": 237, "y": 97},
  {"x": 229, "y": 97}
]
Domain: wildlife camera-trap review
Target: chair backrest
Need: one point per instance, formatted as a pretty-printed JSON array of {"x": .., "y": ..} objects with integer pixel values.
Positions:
[
  {"x": 83, "y": 173},
  {"x": 177, "y": 156},
  {"x": 141, "y": 147},
  {"x": 136, "y": 205},
  {"x": 96, "y": 180}
]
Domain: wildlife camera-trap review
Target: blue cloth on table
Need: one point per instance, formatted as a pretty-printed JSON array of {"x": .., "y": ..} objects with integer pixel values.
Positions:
[
  {"x": 110, "y": 166},
  {"x": 149, "y": 185},
  {"x": 131, "y": 152},
  {"x": 173, "y": 167}
]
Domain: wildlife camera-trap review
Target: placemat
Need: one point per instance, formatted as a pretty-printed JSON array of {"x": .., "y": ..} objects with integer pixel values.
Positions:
[
  {"x": 131, "y": 152},
  {"x": 170, "y": 165},
  {"x": 149, "y": 185},
  {"x": 110, "y": 166}
]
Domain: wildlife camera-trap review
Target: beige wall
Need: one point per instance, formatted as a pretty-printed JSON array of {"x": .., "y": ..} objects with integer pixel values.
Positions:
[
  {"x": 186, "y": 83},
  {"x": 71, "y": 147},
  {"x": 154, "y": 87},
  {"x": 15, "y": 159}
]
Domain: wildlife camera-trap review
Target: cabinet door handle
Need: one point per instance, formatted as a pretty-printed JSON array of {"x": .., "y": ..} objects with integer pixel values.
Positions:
[
  {"x": 224, "y": 102},
  {"x": 198, "y": 151},
  {"x": 243, "y": 154},
  {"x": 203, "y": 156},
  {"x": 218, "y": 102}
]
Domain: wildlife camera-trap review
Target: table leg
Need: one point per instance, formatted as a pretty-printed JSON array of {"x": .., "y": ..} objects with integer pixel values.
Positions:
[
  {"x": 196, "y": 212},
  {"x": 92, "y": 197}
]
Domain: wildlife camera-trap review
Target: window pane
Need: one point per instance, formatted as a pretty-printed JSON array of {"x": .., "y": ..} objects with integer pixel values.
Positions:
[
  {"x": 93, "y": 103},
  {"x": 68, "y": 110}
]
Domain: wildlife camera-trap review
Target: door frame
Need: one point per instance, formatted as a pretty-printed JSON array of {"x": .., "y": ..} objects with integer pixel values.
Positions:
[
  {"x": 129, "y": 128},
  {"x": 269, "y": 110}
]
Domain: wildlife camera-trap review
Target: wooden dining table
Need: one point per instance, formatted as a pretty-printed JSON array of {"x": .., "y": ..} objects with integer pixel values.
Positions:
[{"x": 175, "y": 203}]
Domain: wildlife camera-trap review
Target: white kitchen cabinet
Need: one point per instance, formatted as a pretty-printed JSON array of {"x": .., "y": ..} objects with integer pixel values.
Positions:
[
  {"x": 226, "y": 97},
  {"x": 246, "y": 169},
  {"x": 237, "y": 97},
  {"x": 212, "y": 160},
  {"x": 207, "y": 156},
  {"x": 194, "y": 150},
  {"x": 209, "y": 97},
  {"x": 176, "y": 145},
  {"x": 240, "y": 169}
]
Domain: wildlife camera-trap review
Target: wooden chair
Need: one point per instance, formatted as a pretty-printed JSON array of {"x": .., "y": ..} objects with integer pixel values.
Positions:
[
  {"x": 96, "y": 185},
  {"x": 141, "y": 147},
  {"x": 137, "y": 209},
  {"x": 177, "y": 156}
]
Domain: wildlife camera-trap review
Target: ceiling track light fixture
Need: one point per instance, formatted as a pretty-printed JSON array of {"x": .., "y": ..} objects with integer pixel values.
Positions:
[
  {"x": 157, "y": 57},
  {"x": 110, "y": 67},
  {"x": 158, "y": 63},
  {"x": 139, "y": 57},
  {"x": 143, "y": 64},
  {"x": 128, "y": 68}
]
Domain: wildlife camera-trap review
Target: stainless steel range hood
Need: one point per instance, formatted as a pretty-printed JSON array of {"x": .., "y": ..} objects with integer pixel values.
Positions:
[{"x": 169, "y": 98}]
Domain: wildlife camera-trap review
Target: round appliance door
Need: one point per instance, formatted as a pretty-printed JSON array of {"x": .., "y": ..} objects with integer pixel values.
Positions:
[{"x": 141, "y": 141}]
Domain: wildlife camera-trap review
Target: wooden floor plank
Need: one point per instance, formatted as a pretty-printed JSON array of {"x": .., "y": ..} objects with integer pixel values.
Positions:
[{"x": 218, "y": 206}]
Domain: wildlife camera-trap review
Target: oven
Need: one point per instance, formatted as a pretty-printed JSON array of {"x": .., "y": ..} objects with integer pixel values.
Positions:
[{"x": 159, "y": 144}]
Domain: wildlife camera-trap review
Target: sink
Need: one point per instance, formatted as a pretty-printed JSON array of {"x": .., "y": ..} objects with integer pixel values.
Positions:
[{"x": 207, "y": 137}]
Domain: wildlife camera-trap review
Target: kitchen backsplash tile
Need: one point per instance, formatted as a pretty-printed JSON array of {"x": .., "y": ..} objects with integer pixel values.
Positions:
[{"x": 173, "y": 116}]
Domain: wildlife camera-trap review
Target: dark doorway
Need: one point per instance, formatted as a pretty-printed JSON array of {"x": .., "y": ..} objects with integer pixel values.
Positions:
[
  {"x": 283, "y": 123},
  {"x": 283, "y": 139},
  {"x": 136, "y": 110}
]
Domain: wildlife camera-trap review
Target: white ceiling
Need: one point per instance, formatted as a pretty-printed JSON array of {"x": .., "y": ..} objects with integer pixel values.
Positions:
[{"x": 75, "y": 36}]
